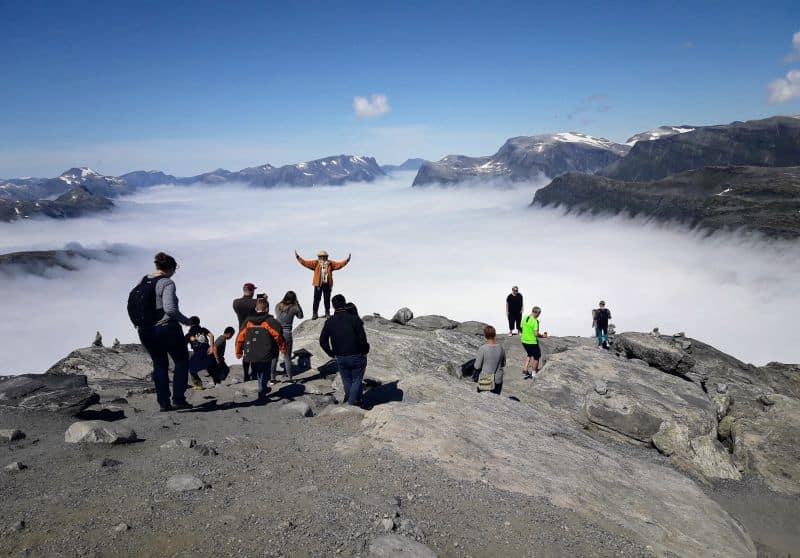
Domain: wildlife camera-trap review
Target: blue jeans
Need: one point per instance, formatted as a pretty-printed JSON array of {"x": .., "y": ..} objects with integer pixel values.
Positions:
[
  {"x": 602, "y": 335},
  {"x": 351, "y": 369},
  {"x": 262, "y": 371},
  {"x": 161, "y": 342}
]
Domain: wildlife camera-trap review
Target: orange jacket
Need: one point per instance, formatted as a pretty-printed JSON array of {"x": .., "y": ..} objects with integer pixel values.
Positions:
[
  {"x": 243, "y": 336},
  {"x": 316, "y": 267}
]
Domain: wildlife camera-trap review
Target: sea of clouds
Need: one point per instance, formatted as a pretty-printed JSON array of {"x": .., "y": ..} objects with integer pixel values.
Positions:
[{"x": 449, "y": 251}]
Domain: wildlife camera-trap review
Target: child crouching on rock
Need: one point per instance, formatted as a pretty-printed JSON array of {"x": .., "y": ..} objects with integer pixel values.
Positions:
[{"x": 203, "y": 356}]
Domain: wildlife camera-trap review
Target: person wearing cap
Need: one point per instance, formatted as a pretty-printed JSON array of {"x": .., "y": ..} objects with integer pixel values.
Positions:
[
  {"x": 600, "y": 319},
  {"x": 244, "y": 307},
  {"x": 514, "y": 310},
  {"x": 530, "y": 342},
  {"x": 323, "y": 269}
]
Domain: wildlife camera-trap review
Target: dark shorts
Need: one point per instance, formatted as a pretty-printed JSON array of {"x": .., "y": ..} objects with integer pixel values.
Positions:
[{"x": 532, "y": 350}]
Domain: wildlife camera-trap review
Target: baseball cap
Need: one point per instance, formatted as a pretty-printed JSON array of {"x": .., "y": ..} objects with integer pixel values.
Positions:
[{"x": 249, "y": 287}]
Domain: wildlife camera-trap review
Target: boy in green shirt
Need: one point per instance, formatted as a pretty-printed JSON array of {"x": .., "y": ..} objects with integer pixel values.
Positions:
[{"x": 530, "y": 342}]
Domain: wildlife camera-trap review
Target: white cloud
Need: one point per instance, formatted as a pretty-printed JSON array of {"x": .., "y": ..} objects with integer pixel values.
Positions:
[
  {"x": 436, "y": 250},
  {"x": 794, "y": 56},
  {"x": 784, "y": 89},
  {"x": 372, "y": 107}
]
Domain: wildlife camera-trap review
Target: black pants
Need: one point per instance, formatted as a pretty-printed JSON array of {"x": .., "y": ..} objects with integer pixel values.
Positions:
[
  {"x": 515, "y": 319},
  {"x": 162, "y": 342},
  {"x": 318, "y": 293}
]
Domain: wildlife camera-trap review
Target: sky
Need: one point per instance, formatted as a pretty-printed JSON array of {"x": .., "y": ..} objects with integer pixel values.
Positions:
[{"x": 188, "y": 87}]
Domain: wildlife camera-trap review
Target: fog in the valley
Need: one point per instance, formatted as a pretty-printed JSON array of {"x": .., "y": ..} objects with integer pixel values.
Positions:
[{"x": 453, "y": 251}]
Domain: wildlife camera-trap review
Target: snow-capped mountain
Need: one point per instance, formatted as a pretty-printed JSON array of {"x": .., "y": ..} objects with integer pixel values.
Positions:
[
  {"x": 144, "y": 179},
  {"x": 526, "y": 157},
  {"x": 75, "y": 202},
  {"x": 93, "y": 181},
  {"x": 332, "y": 171},
  {"x": 658, "y": 133}
]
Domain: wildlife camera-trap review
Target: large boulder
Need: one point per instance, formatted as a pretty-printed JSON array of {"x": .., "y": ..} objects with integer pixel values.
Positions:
[
  {"x": 126, "y": 362},
  {"x": 403, "y": 316},
  {"x": 662, "y": 352},
  {"x": 67, "y": 395},
  {"x": 99, "y": 432},
  {"x": 432, "y": 322}
]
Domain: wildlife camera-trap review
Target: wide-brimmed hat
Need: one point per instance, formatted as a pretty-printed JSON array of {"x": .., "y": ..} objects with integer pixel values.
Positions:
[{"x": 322, "y": 253}]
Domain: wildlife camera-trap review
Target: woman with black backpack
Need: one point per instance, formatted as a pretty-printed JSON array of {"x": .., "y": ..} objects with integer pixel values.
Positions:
[{"x": 153, "y": 309}]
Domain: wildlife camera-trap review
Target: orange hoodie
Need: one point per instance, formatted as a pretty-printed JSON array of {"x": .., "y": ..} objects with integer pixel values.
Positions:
[{"x": 243, "y": 336}]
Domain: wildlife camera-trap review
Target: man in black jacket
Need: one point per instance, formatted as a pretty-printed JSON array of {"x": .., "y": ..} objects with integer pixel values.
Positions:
[{"x": 343, "y": 337}]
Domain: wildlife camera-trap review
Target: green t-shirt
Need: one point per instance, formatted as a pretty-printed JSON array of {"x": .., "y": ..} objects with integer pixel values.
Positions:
[{"x": 530, "y": 326}]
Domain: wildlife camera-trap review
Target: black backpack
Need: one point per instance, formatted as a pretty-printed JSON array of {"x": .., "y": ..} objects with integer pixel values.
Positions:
[
  {"x": 259, "y": 346},
  {"x": 142, "y": 303}
]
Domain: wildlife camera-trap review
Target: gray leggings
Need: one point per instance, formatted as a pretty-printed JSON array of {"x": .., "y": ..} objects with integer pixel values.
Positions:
[{"x": 287, "y": 358}]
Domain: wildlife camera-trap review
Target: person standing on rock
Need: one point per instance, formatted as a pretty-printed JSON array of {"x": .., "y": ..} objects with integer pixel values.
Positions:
[
  {"x": 286, "y": 311},
  {"x": 259, "y": 343},
  {"x": 323, "y": 269},
  {"x": 153, "y": 309},
  {"x": 491, "y": 359},
  {"x": 343, "y": 338},
  {"x": 514, "y": 310},
  {"x": 530, "y": 342},
  {"x": 600, "y": 319},
  {"x": 244, "y": 307}
]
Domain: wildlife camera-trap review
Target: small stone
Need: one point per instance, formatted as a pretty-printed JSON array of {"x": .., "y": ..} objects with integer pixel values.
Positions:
[
  {"x": 286, "y": 525},
  {"x": 397, "y": 546},
  {"x": 121, "y": 528},
  {"x": 11, "y": 435},
  {"x": 722, "y": 388},
  {"x": 387, "y": 524},
  {"x": 205, "y": 450},
  {"x": 108, "y": 462},
  {"x": 17, "y": 526},
  {"x": 179, "y": 443},
  {"x": 655, "y": 332},
  {"x": 116, "y": 344},
  {"x": 766, "y": 400},
  {"x": 601, "y": 388},
  {"x": 15, "y": 466},
  {"x": 680, "y": 335},
  {"x": 98, "y": 432},
  {"x": 297, "y": 409},
  {"x": 507, "y": 523},
  {"x": 184, "y": 483}
]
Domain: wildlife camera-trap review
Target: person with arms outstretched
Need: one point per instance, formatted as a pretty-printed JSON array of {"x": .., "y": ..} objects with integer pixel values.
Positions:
[{"x": 323, "y": 269}]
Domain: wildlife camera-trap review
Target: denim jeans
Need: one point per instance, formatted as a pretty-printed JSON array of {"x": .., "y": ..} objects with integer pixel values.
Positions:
[
  {"x": 161, "y": 342},
  {"x": 602, "y": 335},
  {"x": 351, "y": 369},
  {"x": 262, "y": 371}
]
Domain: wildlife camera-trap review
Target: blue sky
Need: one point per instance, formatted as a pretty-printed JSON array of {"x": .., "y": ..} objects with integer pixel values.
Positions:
[{"x": 190, "y": 86}]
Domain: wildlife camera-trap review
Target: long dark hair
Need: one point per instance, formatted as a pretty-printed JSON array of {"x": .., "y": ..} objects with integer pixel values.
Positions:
[{"x": 289, "y": 300}]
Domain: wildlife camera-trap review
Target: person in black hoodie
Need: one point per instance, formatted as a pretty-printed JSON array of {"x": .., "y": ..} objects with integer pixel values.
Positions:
[{"x": 343, "y": 338}]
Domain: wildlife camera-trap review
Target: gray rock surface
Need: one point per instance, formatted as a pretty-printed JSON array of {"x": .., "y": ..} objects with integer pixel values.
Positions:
[
  {"x": 299, "y": 409},
  {"x": 99, "y": 432},
  {"x": 127, "y": 362},
  {"x": 42, "y": 392}
]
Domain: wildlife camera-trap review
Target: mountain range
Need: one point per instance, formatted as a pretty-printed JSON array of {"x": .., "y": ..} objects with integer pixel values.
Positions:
[{"x": 738, "y": 175}]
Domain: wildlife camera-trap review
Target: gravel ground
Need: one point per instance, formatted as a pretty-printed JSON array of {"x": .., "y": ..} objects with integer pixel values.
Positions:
[{"x": 277, "y": 487}]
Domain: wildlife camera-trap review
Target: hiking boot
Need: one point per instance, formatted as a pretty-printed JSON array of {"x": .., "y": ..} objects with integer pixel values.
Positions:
[
  {"x": 165, "y": 409},
  {"x": 315, "y": 317},
  {"x": 182, "y": 406},
  {"x": 327, "y": 315}
]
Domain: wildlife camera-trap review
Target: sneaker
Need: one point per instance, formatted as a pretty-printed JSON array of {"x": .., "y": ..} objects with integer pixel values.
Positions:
[
  {"x": 527, "y": 375},
  {"x": 183, "y": 405}
]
